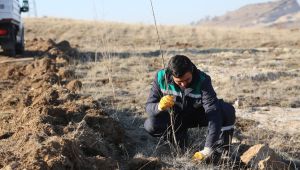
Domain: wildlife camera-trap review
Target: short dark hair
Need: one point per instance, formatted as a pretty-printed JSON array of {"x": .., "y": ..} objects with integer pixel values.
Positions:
[{"x": 179, "y": 65}]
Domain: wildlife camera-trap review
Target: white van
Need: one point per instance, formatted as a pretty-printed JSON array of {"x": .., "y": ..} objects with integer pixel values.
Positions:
[{"x": 11, "y": 26}]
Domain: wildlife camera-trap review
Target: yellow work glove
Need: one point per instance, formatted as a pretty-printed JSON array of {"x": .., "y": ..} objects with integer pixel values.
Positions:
[
  {"x": 166, "y": 102},
  {"x": 203, "y": 154}
]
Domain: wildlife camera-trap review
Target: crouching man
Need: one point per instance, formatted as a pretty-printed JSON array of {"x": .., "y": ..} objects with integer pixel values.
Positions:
[{"x": 188, "y": 93}]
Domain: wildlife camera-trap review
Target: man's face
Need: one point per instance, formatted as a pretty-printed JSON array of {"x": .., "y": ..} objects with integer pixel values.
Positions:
[{"x": 183, "y": 81}]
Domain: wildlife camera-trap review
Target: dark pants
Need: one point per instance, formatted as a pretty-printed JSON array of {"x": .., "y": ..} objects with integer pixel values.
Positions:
[{"x": 159, "y": 125}]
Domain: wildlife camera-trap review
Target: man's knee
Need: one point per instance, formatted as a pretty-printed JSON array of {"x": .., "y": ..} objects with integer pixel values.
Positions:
[
  {"x": 153, "y": 127},
  {"x": 149, "y": 125},
  {"x": 228, "y": 113}
]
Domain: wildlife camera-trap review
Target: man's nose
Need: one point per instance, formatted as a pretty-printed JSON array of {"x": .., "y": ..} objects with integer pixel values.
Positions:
[{"x": 183, "y": 84}]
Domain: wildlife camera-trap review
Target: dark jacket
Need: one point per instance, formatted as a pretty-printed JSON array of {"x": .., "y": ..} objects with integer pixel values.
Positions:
[{"x": 198, "y": 97}]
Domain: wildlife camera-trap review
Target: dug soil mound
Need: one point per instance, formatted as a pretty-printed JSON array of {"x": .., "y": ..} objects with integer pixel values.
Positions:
[
  {"x": 44, "y": 125},
  {"x": 61, "y": 51}
]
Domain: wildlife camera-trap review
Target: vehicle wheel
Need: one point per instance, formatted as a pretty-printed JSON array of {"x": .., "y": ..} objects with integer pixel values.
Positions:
[
  {"x": 10, "y": 52},
  {"x": 10, "y": 49},
  {"x": 20, "y": 45}
]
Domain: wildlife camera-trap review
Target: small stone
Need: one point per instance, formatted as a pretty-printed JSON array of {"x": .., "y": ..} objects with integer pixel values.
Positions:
[
  {"x": 262, "y": 157},
  {"x": 74, "y": 85}
]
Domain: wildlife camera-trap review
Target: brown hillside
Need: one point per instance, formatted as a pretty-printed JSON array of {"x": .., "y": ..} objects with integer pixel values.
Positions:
[{"x": 262, "y": 14}]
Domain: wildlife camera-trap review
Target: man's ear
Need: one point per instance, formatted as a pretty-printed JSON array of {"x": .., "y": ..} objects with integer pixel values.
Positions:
[{"x": 193, "y": 68}]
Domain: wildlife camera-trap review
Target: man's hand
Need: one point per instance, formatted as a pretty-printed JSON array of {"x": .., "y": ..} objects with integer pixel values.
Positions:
[
  {"x": 166, "y": 102},
  {"x": 203, "y": 154}
]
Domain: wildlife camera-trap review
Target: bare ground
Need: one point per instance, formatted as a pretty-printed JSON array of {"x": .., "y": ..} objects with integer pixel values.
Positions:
[{"x": 49, "y": 119}]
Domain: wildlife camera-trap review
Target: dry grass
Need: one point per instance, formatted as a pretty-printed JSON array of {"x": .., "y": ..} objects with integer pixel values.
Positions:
[
  {"x": 134, "y": 37},
  {"x": 233, "y": 78}
]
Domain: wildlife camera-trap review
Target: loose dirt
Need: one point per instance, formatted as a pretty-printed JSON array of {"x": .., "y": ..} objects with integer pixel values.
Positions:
[{"x": 46, "y": 124}]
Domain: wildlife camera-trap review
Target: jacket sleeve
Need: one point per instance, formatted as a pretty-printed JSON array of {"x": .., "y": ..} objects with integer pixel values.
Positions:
[
  {"x": 212, "y": 111},
  {"x": 153, "y": 99}
]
